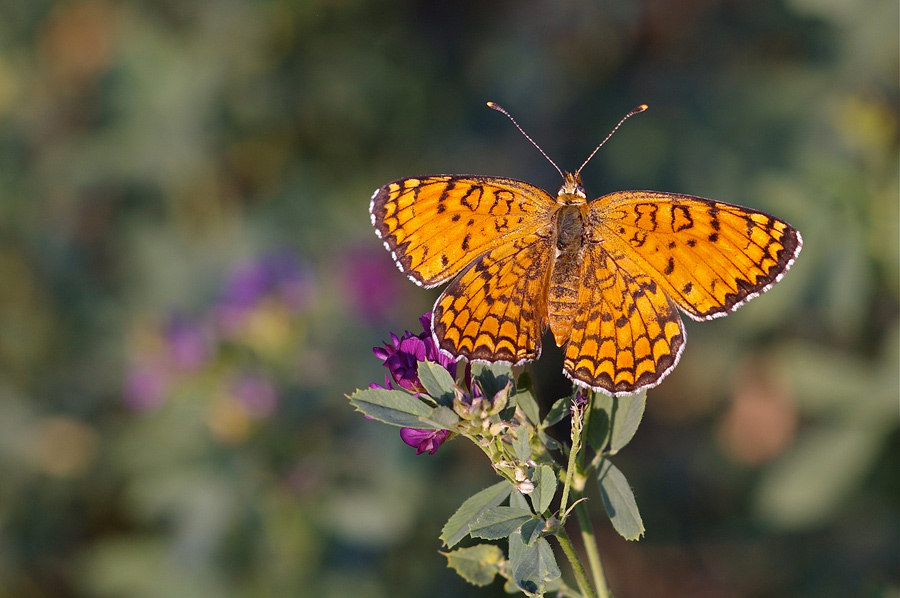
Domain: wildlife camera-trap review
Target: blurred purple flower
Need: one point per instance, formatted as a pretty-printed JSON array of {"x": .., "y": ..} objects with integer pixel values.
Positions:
[
  {"x": 188, "y": 343},
  {"x": 280, "y": 275},
  {"x": 291, "y": 279},
  {"x": 146, "y": 387},
  {"x": 371, "y": 284},
  {"x": 256, "y": 394},
  {"x": 402, "y": 355},
  {"x": 424, "y": 440},
  {"x": 246, "y": 284}
]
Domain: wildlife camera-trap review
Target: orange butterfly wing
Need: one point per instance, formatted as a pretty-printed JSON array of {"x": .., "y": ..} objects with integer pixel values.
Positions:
[
  {"x": 710, "y": 257},
  {"x": 627, "y": 335},
  {"x": 649, "y": 251},
  {"x": 434, "y": 226},
  {"x": 497, "y": 309}
]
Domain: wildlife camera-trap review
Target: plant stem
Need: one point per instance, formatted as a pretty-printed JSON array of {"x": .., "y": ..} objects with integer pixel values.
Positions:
[
  {"x": 580, "y": 576},
  {"x": 576, "y": 434},
  {"x": 570, "y": 473},
  {"x": 590, "y": 547}
]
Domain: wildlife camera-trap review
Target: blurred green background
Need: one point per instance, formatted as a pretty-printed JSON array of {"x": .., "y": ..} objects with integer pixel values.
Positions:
[{"x": 189, "y": 284}]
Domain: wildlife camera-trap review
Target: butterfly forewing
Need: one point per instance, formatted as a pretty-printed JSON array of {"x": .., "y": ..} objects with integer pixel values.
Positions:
[
  {"x": 434, "y": 226},
  {"x": 627, "y": 335},
  {"x": 710, "y": 257},
  {"x": 497, "y": 309}
]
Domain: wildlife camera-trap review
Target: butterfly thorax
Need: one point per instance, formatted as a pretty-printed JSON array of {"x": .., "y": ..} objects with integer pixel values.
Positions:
[{"x": 565, "y": 272}]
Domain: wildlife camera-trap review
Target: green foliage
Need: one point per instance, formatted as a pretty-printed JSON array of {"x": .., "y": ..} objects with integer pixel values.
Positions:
[
  {"x": 526, "y": 402},
  {"x": 531, "y": 563},
  {"x": 394, "y": 407},
  {"x": 557, "y": 412},
  {"x": 532, "y": 530},
  {"x": 492, "y": 377},
  {"x": 532, "y": 566},
  {"x": 477, "y": 564},
  {"x": 619, "y": 502},
  {"x": 499, "y": 522},
  {"x": 441, "y": 417},
  {"x": 457, "y": 527},
  {"x": 544, "y": 488},
  {"x": 626, "y": 415},
  {"x": 599, "y": 426},
  {"x": 438, "y": 382},
  {"x": 522, "y": 444}
]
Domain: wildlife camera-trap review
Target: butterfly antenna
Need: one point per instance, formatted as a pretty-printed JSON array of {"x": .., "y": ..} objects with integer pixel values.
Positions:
[
  {"x": 502, "y": 110},
  {"x": 637, "y": 110}
]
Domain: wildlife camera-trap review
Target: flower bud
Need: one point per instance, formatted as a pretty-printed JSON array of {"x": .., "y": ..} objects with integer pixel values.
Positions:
[
  {"x": 520, "y": 474},
  {"x": 497, "y": 428},
  {"x": 525, "y": 487},
  {"x": 501, "y": 399}
]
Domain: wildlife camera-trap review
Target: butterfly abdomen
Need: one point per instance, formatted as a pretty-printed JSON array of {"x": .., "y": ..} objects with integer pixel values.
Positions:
[{"x": 562, "y": 294}]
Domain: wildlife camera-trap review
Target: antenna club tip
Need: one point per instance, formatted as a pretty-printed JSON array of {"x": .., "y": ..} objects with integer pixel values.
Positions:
[{"x": 642, "y": 107}]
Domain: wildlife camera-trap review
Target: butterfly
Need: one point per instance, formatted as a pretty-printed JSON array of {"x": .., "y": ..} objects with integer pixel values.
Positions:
[{"x": 607, "y": 277}]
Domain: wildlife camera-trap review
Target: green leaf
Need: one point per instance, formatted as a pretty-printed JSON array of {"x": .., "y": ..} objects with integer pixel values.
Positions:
[
  {"x": 393, "y": 407},
  {"x": 599, "y": 421},
  {"x": 531, "y": 530},
  {"x": 524, "y": 396},
  {"x": 492, "y": 377},
  {"x": 523, "y": 382},
  {"x": 522, "y": 444},
  {"x": 532, "y": 566},
  {"x": 550, "y": 442},
  {"x": 437, "y": 382},
  {"x": 626, "y": 417},
  {"x": 441, "y": 417},
  {"x": 619, "y": 502},
  {"x": 518, "y": 500},
  {"x": 559, "y": 410},
  {"x": 545, "y": 480},
  {"x": 477, "y": 564},
  {"x": 457, "y": 527},
  {"x": 510, "y": 587},
  {"x": 499, "y": 522},
  {"x": 525, "y": 400}
]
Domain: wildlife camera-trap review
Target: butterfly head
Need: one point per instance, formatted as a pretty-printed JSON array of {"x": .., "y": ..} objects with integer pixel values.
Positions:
[{"x": 571, "y": 191}]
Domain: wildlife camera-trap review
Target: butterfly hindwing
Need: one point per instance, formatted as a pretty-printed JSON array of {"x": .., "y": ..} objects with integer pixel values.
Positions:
[
  {"x": 497, "y": 309},
  {"x": 434, "y": 226},
  {"x": 626, "y": 335}
]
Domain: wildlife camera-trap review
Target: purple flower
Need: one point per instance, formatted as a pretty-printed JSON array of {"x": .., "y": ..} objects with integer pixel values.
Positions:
[
  {"x": 189, "y": 345},
  {"x": 387, "y": 383},
  {"x": 371, "y": 284},
  {"x": 424, "y": 440},
  {"x": 146, "y": 387},
  {"x": 279, "y": 275},
  {"x": 402, "y": 355},
  {"x": 580, "y": 401},
  {"x": 291, "y": 279}
]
